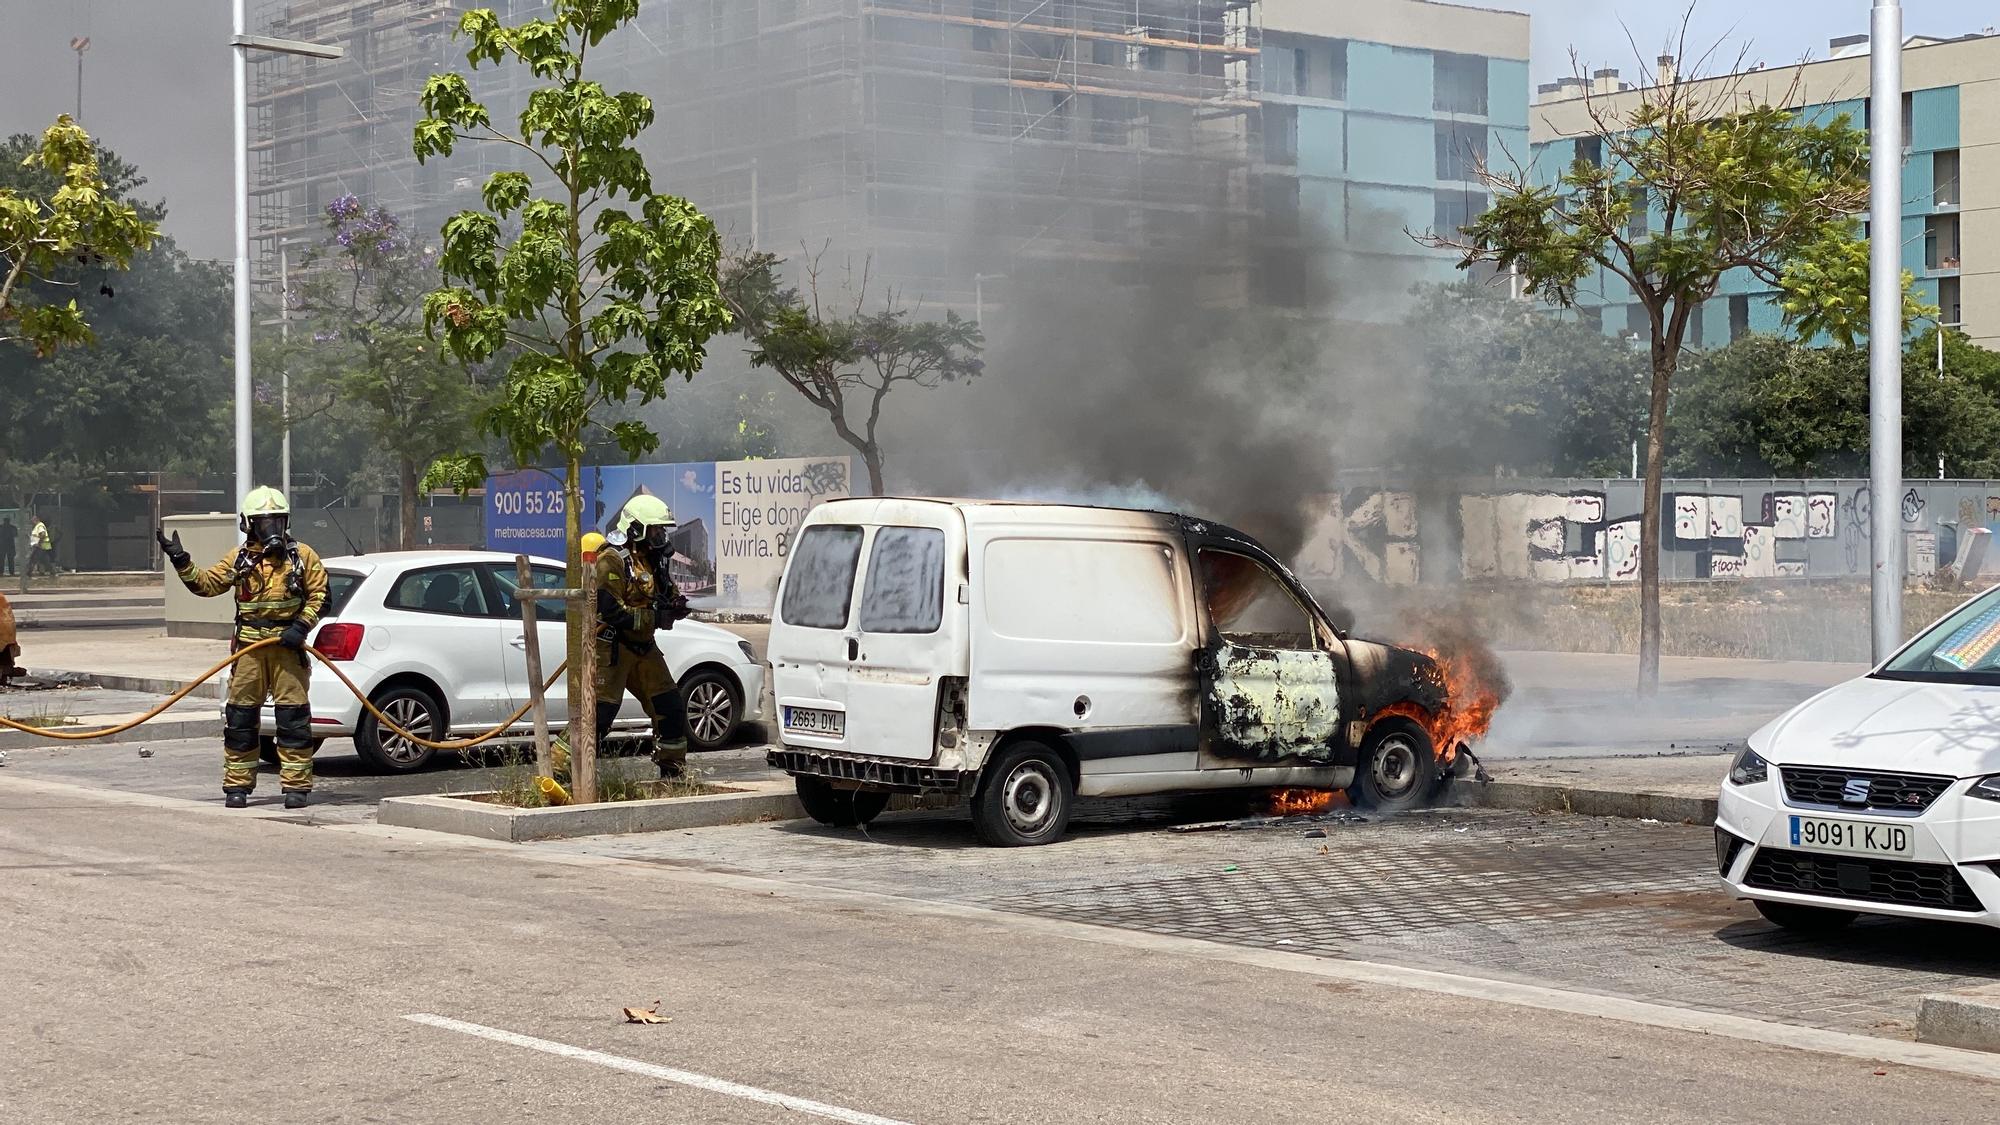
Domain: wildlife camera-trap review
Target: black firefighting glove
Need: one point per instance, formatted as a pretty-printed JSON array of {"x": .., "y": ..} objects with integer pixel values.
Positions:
[
  {"x": 670, "y": 606},
  {"x": 176, "y": 553},
  {"x": 294, "y": 636}
]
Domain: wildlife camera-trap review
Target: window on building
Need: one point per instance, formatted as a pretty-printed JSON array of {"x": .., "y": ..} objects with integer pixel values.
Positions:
[
  {"x": 1107, "y": 52},
  {"x": 1638, "y": 325},
  {"x": 1637, "y": 224},
  {"x": 1950, "y": 306},
  {"x": 1456, "y": 209},
  {"x": 1461, "y": 150},
  {"x": 989, "y": 109},
  {"x": 1944, "y": 177},
  {"x": 1281, "y": 205},
  {"x": 1281, "y": 135},
  {"x": 1693, "y": 339},
  {"x": 1909, "y": 117},
  {"x": 1590, "y": 150},
  {"x": 1739, "y": 318},
  {"x": 1459, "y": 83},
  {"x": 1338, "y": 60},
  {"x": 1941, "y": 242},
  {"x": 1111, "y": 121},
  {"x": 1591, "y": 316}
]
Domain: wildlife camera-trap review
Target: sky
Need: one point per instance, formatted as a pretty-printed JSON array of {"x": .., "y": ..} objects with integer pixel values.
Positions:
[{"x": 157, "y": 75}]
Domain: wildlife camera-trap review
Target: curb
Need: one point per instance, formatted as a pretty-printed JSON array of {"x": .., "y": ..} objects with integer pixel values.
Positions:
[
  {"x": 157, "y": 731},
  {"x": 1970, "y": 1019},
  {"x": 1538, "y": 796},
  {"x": 145, "y": 684},
  {"x": 493, "y": 822}
]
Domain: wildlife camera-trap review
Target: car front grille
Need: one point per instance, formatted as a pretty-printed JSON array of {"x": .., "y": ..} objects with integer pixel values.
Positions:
[
  {"x": 1827, "y": 787},
  {"x": 1893, "y": 882}
]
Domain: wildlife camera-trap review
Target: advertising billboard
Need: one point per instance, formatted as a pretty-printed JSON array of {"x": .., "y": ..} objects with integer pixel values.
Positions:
[{"x": 737, "y": 519}]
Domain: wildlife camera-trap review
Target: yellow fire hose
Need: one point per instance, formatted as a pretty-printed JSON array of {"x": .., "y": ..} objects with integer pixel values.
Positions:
[{"x": 460, "y": 744}]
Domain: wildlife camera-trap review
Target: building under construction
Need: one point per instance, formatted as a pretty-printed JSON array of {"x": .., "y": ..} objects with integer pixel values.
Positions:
[
  {"x": 948, "y": 144},
  {"x": 940, "y": 144}
]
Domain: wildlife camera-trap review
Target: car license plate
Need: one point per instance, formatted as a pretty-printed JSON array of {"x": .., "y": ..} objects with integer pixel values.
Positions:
[
  {"x": 1852, "y": 837},
  {"x": 812, "y": 720}
]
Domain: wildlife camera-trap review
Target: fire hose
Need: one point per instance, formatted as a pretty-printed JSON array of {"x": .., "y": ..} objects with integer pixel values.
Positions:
[{"x": 390, "y": 724}]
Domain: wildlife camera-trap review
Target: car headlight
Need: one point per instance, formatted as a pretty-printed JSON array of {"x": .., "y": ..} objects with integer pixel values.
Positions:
[
  {"x": 1750, "y": 768},
  {"x": 750, "y": 654},
  {"x": 1987, "y": 787}
]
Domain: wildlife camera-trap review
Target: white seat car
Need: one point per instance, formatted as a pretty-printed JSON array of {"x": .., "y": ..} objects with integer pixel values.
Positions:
[
  {"x": 435, "y": 639},
  {"x": 1880, "y": 795}
]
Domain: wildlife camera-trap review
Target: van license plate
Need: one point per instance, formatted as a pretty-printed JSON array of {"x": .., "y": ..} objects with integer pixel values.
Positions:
[
  {"x": 811, "y": 720},
  {"x": 1851, "y": 837}
]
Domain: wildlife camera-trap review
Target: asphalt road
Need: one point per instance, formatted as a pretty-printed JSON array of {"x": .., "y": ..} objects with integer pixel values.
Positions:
[{"x": 171, "y": 962}]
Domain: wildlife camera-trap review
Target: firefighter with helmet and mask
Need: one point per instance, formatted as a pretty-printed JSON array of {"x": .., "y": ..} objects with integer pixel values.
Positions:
[
  {"x": 635, "y": 596},
  {"x": 280, "y": 588}
]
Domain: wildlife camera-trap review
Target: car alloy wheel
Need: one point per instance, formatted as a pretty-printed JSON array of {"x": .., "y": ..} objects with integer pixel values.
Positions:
[
  {"x": 409, "y": 713},
  {"x": 711, "y": 711}
]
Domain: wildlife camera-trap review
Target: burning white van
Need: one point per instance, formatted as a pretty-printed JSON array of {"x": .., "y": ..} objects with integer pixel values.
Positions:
[{"x": 1021, "y": 655}]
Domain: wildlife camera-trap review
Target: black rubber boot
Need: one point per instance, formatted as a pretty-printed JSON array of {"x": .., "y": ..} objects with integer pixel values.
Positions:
[
  {"x": 235, "y": 798},
  {"x": 295, "y": 798},
  {"x": 672, "y": 771}
]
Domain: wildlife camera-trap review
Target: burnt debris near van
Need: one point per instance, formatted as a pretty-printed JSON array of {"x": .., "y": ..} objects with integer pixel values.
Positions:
[{"x": 1020, "y": 655}]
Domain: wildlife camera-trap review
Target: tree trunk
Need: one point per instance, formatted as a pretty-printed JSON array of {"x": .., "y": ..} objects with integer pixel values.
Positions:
[
  {"x": 573, "y": 579},
  {"x": 407, "y": 492},
  {"x": 1650, "y": 528},
  {"x": 872, "y": 457}
]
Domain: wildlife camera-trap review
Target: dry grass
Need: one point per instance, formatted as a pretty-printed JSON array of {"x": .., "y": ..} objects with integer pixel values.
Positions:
[
  {"x": 618, "y": 779},
  {"x": 1763, "y": 621}
]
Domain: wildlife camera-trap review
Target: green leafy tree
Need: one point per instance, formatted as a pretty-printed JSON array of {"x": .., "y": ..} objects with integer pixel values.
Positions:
[
  {"x": 1529, "y": 393},
  {"x": 1697, "y": 179},
  {"x": 359, "y": 345},
  {"x": 67, "y": 216},
  {"x": 845, "y": 363},
  {"x": 144, "y": 398},
  {"x": 1765, "y": 406},
  {"x": 597, "y": 303}
]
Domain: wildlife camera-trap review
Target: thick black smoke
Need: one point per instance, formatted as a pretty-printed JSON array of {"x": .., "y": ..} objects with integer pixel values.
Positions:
[{"x": 1182, "y": 389}]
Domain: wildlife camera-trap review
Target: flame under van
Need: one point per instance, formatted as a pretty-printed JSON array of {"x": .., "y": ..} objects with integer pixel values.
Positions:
[{"x": 1021, "y": 655}]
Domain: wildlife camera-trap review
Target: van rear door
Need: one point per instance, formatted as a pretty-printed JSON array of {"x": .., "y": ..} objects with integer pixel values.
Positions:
[
  {"x": 907, "y": 631},
  {"x": 809, "y": 644}
]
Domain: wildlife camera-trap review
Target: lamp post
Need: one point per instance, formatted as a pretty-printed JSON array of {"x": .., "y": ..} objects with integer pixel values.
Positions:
[
  {"x": 244, "y": 44},
  {"x": 1885, "y": 327}
]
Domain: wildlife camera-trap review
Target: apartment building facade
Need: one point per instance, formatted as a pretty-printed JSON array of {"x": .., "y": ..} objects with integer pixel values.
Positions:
[
  {"x": 1374, "y": 117},
  {"x": 1950, "y": 230}
]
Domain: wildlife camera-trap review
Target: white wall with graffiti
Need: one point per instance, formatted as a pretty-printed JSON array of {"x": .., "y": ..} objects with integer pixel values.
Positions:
[{"x": 1588, "y": 530}]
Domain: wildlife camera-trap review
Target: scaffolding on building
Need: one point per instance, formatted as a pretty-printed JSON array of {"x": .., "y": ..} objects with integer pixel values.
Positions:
[{"x": 952, "y": 141}]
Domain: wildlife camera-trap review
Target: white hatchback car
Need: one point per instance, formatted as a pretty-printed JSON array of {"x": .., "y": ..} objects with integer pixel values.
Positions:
[
  {"x": 435, "y": 639},
  {"x": 1880, "y": 795}
]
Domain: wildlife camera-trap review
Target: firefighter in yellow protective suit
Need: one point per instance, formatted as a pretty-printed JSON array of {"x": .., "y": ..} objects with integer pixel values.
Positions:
[
  {"x": 635, "y": 596},
  {"x": 280, "y": 589}
]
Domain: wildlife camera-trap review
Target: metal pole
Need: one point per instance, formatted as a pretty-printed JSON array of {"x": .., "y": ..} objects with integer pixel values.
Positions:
[
  {"x": 285, "y": 369},
  {"x": 531, "y": 637},
  {"x": 1885, "y": 328},
  {"x": 756, "y": 234},
  {"x": 241, "y": 105}
]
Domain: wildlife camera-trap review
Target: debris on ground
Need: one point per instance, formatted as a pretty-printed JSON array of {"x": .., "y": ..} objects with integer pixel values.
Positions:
[
  {"x": 646, "y": 1015},
  {"x": 1337, "y": 816},
  {"x": 145, "y": 752}
]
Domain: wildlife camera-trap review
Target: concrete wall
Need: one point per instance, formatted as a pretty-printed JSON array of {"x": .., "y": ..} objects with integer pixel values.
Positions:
[{"x": 208, "y": 538}]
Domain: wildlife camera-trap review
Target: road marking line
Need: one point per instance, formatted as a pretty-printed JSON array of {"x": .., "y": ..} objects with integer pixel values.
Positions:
[{"x": 651, "y": 1070}]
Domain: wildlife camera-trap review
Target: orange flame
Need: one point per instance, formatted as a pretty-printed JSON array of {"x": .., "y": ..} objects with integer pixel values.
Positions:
[
  {"x": 1301, "y": 802},
  {"x": 1471, "y": 698}
]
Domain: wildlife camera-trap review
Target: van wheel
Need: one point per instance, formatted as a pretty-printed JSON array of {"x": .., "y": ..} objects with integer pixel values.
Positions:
[
  {"x": 1024, "y": 798},
  {"x": 840, "y": 808},
  {"x": 1398, "y": 768},
  {"x": 1803, "y": 919}
]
